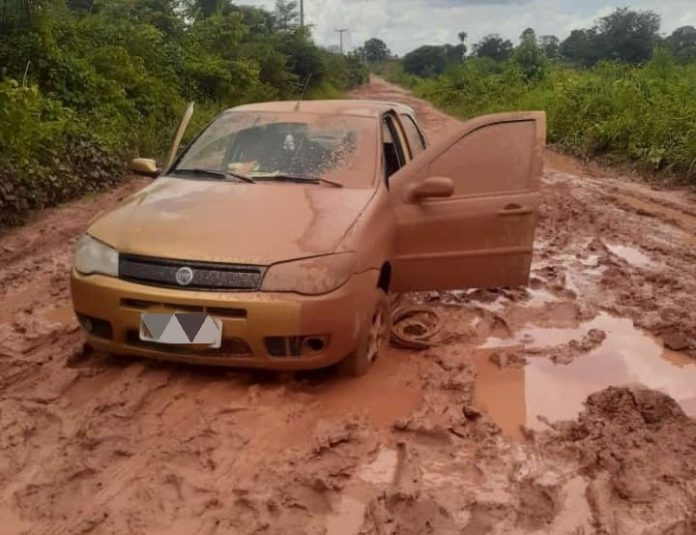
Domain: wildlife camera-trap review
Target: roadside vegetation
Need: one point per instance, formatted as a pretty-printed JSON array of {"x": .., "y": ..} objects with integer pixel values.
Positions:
[
  {"x": 85, "y": 84},
  {"x": 618, "y": 91}
]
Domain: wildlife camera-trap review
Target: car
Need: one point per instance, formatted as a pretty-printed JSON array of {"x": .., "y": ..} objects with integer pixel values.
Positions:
[{"x": 273, "y": 240}]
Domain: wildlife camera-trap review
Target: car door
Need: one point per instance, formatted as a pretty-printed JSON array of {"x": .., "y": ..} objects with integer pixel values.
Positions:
[{"x": 466, "y": 208}]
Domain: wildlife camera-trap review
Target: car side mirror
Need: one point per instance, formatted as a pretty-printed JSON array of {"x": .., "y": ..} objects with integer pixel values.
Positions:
[
  {"x": 434, "y": 186},
  {"x": 144, "y": 166}
]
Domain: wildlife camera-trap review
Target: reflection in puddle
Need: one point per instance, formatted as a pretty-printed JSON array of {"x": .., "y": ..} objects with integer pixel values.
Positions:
[
  {"x": 630, "y": 255},
  {"x": 515, "y": 396}
]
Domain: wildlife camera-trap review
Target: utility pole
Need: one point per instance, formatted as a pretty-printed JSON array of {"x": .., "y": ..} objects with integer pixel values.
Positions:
[
  {"x": 301, "y": 13},
  {"x": 341, "y": 32}
]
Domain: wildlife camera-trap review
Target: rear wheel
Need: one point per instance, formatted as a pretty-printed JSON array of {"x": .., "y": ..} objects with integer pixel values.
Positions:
[{"x": 373, "y": 341}]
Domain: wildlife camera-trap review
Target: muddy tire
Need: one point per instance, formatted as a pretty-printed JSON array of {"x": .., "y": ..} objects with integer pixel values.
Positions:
[{"x": 373, "y": 341}]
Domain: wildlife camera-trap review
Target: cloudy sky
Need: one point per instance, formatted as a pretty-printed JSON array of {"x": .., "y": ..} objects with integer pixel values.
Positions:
[{"x": 406, "y": 24}]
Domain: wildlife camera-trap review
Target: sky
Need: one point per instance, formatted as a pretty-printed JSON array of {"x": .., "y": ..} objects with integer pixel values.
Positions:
[{"x": 407, "y": 24}]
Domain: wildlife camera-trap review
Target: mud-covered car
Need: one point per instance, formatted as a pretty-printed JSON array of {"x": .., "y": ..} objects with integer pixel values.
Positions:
[{"x": 273, "y": 240}]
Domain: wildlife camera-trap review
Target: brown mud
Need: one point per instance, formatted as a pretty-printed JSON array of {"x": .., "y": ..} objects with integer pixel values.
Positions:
[{"x": 485, "y": 435}]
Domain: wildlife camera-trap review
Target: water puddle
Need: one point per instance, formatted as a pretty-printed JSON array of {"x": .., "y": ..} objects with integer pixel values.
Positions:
[
  {"x": 515, "y": 396},
  {"x": 630, "y": 255}
]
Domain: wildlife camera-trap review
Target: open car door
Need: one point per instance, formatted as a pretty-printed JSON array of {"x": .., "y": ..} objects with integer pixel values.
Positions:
[
  {"x": 466, "y": 208},
  {"x": 179, "y": 135}
]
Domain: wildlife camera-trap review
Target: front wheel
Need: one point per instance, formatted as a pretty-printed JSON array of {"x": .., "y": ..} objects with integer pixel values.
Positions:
[{"x": 373, "y": 341}]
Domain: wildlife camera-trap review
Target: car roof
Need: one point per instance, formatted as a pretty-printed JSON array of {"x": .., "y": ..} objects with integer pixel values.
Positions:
[{"x": 361, "y": 108}]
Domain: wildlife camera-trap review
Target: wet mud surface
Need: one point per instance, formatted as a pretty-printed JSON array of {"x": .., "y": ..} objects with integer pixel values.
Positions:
[{"x": 565, "y": 408}]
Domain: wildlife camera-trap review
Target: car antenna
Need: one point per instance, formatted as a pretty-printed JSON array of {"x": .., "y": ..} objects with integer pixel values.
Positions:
[{"x": 304, "y": 92}]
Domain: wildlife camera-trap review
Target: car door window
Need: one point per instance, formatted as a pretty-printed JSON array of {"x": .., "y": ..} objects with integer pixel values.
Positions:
[
  {"x": 416, "y": 140},
  {"x": 394, "y": 156}
]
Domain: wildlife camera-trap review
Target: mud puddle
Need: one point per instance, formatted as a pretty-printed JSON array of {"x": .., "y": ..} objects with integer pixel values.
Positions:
[
  {"x": 630, "y": 254},
  {"x": 554, "y": 390}
]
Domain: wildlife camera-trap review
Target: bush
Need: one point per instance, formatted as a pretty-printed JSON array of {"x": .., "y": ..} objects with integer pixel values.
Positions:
[
  {"x": 642, "y": 115},
  {"x": 48, "y": 154}
]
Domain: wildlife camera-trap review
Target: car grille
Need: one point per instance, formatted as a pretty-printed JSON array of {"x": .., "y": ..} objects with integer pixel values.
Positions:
[{"x": 206, "y": 276}]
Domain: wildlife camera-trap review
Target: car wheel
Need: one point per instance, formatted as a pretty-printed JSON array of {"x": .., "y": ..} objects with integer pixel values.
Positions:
[{"x": 373, "y": 341}]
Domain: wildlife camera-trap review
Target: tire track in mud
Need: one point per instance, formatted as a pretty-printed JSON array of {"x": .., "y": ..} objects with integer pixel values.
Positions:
[{"x": 428, "y": 442}]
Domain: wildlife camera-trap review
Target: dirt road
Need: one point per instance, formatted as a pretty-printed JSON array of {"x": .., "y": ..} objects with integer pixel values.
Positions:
[{"x": 483, "y": 435}]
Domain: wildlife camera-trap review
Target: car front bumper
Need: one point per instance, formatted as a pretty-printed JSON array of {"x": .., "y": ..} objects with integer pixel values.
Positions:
[{"x": 249, "y": 319}]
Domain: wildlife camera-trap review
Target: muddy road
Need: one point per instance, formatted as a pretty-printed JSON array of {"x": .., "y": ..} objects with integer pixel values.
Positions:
[{"x": 492, "y": 433}]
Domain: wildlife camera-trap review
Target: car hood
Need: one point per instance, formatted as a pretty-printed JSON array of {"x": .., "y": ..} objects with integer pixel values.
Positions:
[{"x": 231, "y": 222}]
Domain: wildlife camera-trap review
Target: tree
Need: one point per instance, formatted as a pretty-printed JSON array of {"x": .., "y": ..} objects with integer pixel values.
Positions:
[
  {"x": 627, "y": 35},
  {"x": 550, "y": 46},
  {"x": 530, "y": 58},
  {"x": 582, "y": 47},
  {"x": 682, "y": 44},
  {"x": 376, "y": 50},
  {"x": 425, "y": 61},
  {"x": 528, "y": 36},
  {"x": 204, "y": 8},
  {"x": 462, "y": 37},
  {"x": 286, "y": 14},
  {"x": 493, "y": 46}
]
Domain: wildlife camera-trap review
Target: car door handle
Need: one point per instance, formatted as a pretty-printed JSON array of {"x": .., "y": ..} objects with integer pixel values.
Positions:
[{"x": 514, "y": 209}]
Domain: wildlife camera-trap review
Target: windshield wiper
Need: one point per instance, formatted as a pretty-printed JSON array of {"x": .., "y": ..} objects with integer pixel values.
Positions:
[
  {"x": 219, "y": 174},
  {"x": 300, "y": 178}
]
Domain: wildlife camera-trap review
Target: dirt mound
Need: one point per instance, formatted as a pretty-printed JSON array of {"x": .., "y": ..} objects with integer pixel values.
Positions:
[{"x": 639, "y": 450}]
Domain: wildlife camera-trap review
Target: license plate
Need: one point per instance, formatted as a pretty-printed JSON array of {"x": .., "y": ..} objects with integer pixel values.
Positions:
[{"x": 181, "y": 328}]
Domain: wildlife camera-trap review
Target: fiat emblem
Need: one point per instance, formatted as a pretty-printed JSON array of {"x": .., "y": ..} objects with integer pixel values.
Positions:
[{"x": 184, "y": 276}]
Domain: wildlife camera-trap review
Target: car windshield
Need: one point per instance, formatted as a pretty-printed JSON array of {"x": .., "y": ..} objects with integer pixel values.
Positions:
[{"x": 268, "y": 146}]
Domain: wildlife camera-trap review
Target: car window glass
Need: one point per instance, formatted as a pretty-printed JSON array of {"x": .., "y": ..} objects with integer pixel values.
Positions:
[
  {"x": 393, "y": 152},
  {"x": 413, "y": 135},
  {"x": 264, "y": 144}
]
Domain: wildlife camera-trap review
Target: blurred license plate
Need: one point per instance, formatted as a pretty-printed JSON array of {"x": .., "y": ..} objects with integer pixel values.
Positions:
[{"x": 181, "y": 328}]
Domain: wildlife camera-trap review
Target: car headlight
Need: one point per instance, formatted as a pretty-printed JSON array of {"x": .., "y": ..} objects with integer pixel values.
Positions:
[
  {"x": 92, "y": 256},
  {"x": 310, "y": 276}
]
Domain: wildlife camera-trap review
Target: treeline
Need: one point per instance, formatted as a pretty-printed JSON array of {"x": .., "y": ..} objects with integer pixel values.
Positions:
[
  {"x": 619, "y": 90},
  {"x": 86, "y": 83}
]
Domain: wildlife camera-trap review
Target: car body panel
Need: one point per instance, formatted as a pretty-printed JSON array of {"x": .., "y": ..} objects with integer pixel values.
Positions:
[
  {"x": 483, "y": 234},
  {"x": 233, "y": 222},
  {"x": 340, "y": 315}
]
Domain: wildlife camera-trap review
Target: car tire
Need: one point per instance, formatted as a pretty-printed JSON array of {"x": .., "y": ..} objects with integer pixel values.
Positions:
[{"x": 373, "y": 341}]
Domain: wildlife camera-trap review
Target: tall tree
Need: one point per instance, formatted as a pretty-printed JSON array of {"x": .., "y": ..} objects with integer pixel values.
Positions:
[
  {"x": 628, "y": 35},
  {"x": 582, "y": 47},
  {"x": 287, "y": 14},
  {"x": 550, "y": 46},
  {"x": 493, "y": 46},
  {"x": 376, "y": 50},
  {"x": 528, "y": 36},
  {"x": 530, "y": 57},
  {"x": 682, "y": 44},
  {"x": 426, "y": 61}
]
